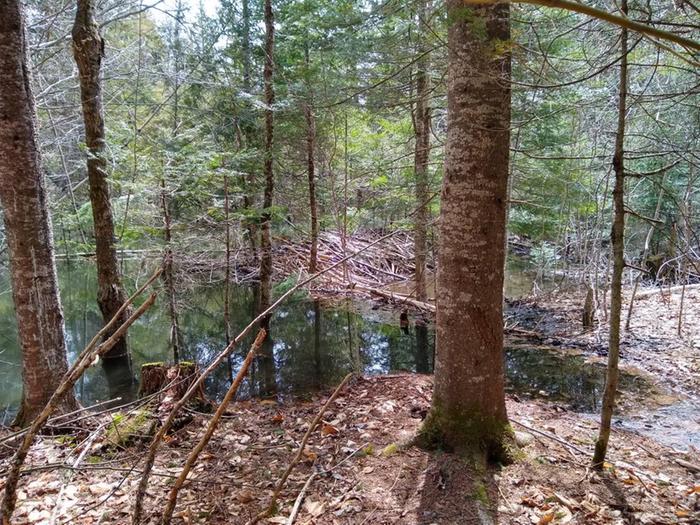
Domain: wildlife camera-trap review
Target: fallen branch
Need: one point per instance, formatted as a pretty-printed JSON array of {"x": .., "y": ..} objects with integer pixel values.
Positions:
[
  {"x": 280, "y": 484},
  {"x": 211, "y": 427},
  {"x": 84, "y": 361},
  {"x": 401, "y": 298},
  {"x": 157, "y": 439}
]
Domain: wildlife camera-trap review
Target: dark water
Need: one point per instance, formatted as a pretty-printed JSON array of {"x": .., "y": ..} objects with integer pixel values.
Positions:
[{"x": 312, "y": 347}]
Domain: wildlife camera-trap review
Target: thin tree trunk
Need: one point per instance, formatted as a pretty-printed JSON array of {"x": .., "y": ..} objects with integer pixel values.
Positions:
[
  {"x": 617, "y": 238},
  {"x": 168, "y": 274},
  {"x": 468, "y": 412},
  {"x": 227, "y": 275},
  {"x": 28, "y": 226},
  {"x": 311, "y": 169},
  {"x": 88, "y": 50},
  {"x": 248, "y": 180},
  {"x": 421, "y": 156},
  {"x": 265, "y": 234}
]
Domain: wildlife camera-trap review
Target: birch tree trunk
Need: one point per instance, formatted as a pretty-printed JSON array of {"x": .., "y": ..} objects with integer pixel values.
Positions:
[
  {"x": 88, "y": 50},
  {"x": 468, "y": 412},
  {"x": 28, "y": 226},
  {"x": 617, "y": 238}
]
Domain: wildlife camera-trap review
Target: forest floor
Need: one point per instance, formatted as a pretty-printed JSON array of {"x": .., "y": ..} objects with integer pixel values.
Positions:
[{"x": 365, "y": 470}]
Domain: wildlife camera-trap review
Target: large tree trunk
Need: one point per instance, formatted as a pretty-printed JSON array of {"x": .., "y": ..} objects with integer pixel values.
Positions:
[
  {"x": 421, "y": 156},
  {"x": 28, "y": 226},
  {"x": 469, "y": 412},
  {"x": 88, "y": 50},
  {"x": 617, "y": 238},
  {"x": 265, "y": 230}
]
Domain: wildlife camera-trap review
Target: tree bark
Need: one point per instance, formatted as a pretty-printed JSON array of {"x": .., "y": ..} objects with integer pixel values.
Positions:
[
  {"x": 265, "y": 230},
  {"x": 617, "y": 238},
  {"x": 468, "y": 413},
  {"x": 311, "y": 169},
  {"x": 421, "y": 156},
  {"x": 28, "y": 226},
  {"x": 88, "y": 50}
]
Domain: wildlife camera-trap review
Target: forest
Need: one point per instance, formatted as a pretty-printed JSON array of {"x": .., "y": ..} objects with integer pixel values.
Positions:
[{"x": 350, "y": 262}]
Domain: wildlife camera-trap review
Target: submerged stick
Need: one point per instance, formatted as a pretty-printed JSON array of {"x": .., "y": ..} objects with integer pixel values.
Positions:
[
  {"x": 211, "y": 427},
  {"x": 280, "y": 484},
  {"x": 86, "y": 360}
]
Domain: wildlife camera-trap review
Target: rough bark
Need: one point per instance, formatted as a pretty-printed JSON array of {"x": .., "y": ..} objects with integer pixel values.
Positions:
[
  {"x": 421, "y": 156},
  {"x": 88, "y": 50},
  {"x": 265, "y": 230},
  {"x": 169, "y": 277},
  {"x": 468, "y": 412},
  {"x": 28, "y": 226},
  {"x": 311, "y": 170},
  {"x": 617, "y": 240}
]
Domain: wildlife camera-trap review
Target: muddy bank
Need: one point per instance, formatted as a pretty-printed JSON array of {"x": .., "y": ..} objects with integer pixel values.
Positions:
[{"x": 359, "y": 467}]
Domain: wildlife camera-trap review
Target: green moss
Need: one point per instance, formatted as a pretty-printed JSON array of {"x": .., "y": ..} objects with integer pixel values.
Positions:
[
  {"x": 480, "y": 494},
  {"x": 126, "y": 427},
  {"x": 390, "y": 450},
  {"x": 369, "y": 450},
  {"x": 469, "y": 433}
]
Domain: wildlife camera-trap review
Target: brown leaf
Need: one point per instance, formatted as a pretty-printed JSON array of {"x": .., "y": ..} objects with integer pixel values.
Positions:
[
  {"x": 328, "y": 429},
  {"x": 546, "y": 518}
]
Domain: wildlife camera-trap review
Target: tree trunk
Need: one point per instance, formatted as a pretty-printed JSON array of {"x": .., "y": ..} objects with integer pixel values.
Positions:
[
  {"x": 88, "y": 50},
  {"x": 28, "y": 226},
  {"x": 468, "y": 413},
  {"x": 169, "y": 275},
  {"x": 265, "y": 230},
  {"x": 311, "y": 170},
  {"x": 421, "y": 156},
  {"x": 617, "y": 238}
]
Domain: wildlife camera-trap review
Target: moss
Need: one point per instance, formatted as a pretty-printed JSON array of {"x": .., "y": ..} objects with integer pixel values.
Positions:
[
  {"x": 480, "y": 494},
  {"x": 469, "y": 433},
  {"x": 126, "y": 427},
  {"x": 369, "y": 450},
  {"x": 390, "y": 450}
]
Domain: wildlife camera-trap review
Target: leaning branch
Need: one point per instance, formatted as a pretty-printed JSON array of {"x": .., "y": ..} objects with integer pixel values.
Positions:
[
  {"x": 617, "y": 20},
  {"x": 86, "y": 359}
]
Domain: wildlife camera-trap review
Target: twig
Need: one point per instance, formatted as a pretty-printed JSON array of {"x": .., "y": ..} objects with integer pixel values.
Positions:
[
  {"x": 305, "y": 488},
  {"x": 280, "y": 484},
  {"x": 211, "y": 427},
  {"x": 300, "y": 499},
  {"x": 550, "y": 436}
]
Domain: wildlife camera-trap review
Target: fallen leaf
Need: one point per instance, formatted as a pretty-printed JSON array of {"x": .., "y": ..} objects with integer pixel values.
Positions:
[
  {"x": 546, "y": 518},
  {"x": 315, "y": 508},
  {"x": 245, "y": 496},
  {"x": 328, "y": 429}
]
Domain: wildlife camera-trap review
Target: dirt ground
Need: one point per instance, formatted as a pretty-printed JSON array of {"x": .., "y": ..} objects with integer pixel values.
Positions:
[
  {"x": 360, "y": 467},
  {"x": 366, "y": 471}
]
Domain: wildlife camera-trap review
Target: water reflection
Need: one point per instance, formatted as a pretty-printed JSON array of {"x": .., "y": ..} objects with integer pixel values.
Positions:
[{"x": 310, "y": 346}]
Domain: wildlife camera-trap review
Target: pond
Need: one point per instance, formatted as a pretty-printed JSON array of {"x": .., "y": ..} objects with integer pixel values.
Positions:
[{"x": 313, "y": 345}]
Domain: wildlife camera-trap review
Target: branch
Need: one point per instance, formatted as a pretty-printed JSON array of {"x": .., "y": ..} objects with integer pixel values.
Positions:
[{"x": 617, "y": 20}]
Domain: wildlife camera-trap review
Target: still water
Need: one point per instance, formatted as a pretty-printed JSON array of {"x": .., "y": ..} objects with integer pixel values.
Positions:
[{"x": 313, "y": 346}]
